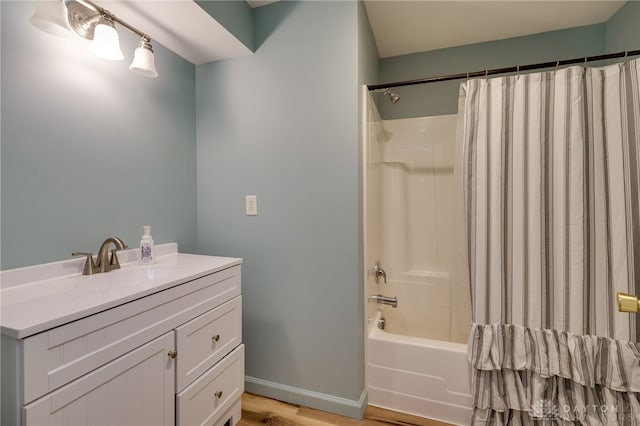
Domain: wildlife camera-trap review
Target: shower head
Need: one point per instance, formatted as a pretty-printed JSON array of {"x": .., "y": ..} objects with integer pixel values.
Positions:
[{"x": 393, "y": 97}]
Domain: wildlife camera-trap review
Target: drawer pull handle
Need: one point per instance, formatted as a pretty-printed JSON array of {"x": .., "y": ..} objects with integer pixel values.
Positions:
[
  {"x": 218, "y": 394},
  {"x": 172, "y": 354},
  {"x": 215, "y": 338}
]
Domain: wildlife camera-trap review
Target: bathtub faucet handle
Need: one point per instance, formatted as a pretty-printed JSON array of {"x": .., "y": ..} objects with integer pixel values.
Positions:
[{"x": 379, "y": 272}]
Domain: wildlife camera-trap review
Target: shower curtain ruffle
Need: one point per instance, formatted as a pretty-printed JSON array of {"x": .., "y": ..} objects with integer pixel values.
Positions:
[{"x": 530, "y": 376}]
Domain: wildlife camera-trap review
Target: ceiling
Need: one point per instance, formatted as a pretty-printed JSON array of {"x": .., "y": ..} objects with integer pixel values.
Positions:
[
  {"x": 399, "y": 27},
  {"x": 404, "y": 27}
]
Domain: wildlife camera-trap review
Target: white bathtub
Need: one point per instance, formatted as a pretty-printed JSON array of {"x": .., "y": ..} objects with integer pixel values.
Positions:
[{"x": 424, "y": 377}]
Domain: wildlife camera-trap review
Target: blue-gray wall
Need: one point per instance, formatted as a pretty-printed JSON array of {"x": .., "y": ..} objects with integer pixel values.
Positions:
[
  {"x": 283, "y": 125},
  {"x": 623, "y": 28},
  {"x": 442, "y": 98},
  {"x": 235, "y": 15},
  {"x": 89, "y": 149},
  {"x": 367, "y": 51}
]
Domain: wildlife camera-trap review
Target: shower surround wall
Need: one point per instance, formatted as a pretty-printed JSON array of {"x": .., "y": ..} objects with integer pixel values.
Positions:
[
  {"x": 417, "y": 224},
  {"x": 418, "y": 363}
]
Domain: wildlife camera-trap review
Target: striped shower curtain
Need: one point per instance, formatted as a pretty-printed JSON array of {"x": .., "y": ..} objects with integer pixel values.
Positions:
[{"x": 551, "y": 179}]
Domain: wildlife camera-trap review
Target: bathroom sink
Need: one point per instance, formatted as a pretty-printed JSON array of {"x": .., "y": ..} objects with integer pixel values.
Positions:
[
  {"x": 135, "y": 273},
  {"x": 56, "y": 297}
]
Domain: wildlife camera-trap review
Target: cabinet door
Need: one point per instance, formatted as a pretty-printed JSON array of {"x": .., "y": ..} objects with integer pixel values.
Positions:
[{"x": 135, "y": 389}]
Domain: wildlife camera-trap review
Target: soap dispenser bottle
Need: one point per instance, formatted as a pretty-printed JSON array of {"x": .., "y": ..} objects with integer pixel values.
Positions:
[{"x": 147, "y": 255}]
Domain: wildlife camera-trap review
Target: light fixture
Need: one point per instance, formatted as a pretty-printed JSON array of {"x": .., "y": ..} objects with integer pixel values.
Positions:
[
  {"x": 143, "y": 60},
  {"x": 106, "y": 43},
  {"x": 51, "y": 17},
  {"x": 95, "y": 23}
]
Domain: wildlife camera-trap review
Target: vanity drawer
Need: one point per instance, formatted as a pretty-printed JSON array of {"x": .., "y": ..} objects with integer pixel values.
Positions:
[
  {"x": 56, "y": 357},
  {"x": 206, "y": 339},
  {"x": 206, "y": 400}
]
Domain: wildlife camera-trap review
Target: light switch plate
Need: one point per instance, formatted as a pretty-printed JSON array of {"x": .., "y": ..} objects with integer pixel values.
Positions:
[{"x": 251, "y": 205}]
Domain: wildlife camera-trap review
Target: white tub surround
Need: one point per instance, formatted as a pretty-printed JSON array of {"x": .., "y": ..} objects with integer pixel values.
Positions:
[
  {"x": 144, "y": 344},
  {"x": 418, "y": 364},
  {"x": 416, "y": 228}
]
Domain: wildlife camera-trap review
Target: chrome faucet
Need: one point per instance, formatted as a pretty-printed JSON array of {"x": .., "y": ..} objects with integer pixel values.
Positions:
[
  {"x": 104, "y": 263},
  {"x": 384, "y": 300}
]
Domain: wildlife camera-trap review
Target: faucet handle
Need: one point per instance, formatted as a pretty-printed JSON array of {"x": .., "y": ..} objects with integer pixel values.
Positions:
[
  {"x": 113, "y": 261},
  {"x": 89, "y": 266},
  {"x": 379, "y": 272}
]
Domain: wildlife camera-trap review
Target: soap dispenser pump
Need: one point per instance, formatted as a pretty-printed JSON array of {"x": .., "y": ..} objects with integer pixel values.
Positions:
[{"x": 147, "y": 255}]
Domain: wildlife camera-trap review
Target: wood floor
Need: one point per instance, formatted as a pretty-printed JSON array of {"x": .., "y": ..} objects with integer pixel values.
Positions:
[{"x": 257, "y": 410}]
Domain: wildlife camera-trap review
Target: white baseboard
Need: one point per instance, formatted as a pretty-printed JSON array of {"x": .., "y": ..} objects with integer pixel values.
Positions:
[{"x": 306, "y": 398}]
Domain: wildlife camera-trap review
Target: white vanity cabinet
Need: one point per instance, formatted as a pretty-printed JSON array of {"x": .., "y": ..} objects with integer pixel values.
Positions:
[
  {"x": 135, "y": 389},
  {"x": 169, "y": 354}
]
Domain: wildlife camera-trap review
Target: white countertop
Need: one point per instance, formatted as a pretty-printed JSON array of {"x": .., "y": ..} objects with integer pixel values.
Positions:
[{"x": 27, "y": 308}]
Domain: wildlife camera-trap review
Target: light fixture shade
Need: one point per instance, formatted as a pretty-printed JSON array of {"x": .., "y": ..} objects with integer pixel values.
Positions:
[
  {"x": 51, "y": 17},
  {"x": 106, "y": 43},
  {"x": 143, "y": 62}
]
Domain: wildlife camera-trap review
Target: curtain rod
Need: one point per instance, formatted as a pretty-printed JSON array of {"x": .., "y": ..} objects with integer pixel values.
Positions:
[{"x": 503, "y": 70}]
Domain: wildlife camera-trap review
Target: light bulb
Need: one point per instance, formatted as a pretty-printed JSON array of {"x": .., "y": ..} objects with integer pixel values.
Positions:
[
  {"x": 106, "y": 43},
  {"x": 51, "y": 17},
  {"x": 143, "y": 61}
]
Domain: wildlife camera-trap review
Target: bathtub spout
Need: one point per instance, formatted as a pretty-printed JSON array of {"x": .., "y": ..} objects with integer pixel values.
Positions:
[
  {"x": 382, "y": 323},
  {"x": 385, "y": 300}
]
